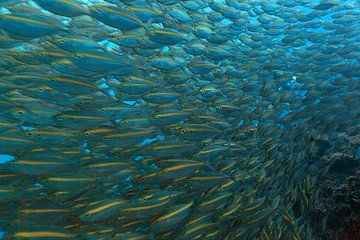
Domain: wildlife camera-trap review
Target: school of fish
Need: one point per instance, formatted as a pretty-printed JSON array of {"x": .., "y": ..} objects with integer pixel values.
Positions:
[{"x": 169, "y": 119}]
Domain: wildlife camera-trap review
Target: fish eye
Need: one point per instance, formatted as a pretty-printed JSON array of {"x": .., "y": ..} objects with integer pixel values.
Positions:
[
  {"x": 20, "y": 220},
  {"x": 160, "y": 162},
  {"x": 29, "y": 134},
  {"x": 40, "y": 89},
  {"x": 182, "y": 131},
  {"x": 54, "y": 196},
  {"x": 20, "y": 112},
  {"x": 153, "y": 60},
  {"x": 87, "y": 133}
]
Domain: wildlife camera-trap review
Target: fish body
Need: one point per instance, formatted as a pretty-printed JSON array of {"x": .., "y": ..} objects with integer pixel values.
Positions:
[
  {"x": 116, "y": 17},
  {"x": 27, "y": 26},
  {"x": 63, "y": 7}
]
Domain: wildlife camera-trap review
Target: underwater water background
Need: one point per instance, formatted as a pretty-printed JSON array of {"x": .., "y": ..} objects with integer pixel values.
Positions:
[{"x": 169, "y": 119}]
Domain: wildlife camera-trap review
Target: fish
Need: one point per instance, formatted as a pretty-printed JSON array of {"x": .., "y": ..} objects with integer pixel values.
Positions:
[
  {"x": 35, "y": 213},
  {"x": 28, "y": 26},
  {"x": 63, "y": 7},
  {"x": 68, "y": 182},
  {"x": 144, "y": 209},
  {"x": 103, "y": 210},
  {"x": 163, "y": 63},
  {"x": 15, "y": 142},
  {"x": 171, "y": 218},
  {"x": 99, "y": 61},
  {"x": 198, "y": 230},
  {"x": 76, "y": 44},
  {"x": 324, "y": 6},
  {"x": 195, "y": 131},
  {"x": 165, "y": 36},
  {"x": 36, "y": 167},
  {"x": 174, "y": 170},
  {"x": 135, "y": 85},
  {"x": 161, "y": 96},
  {"x": 201, "y": 67},
  {"x": 146, "y": 14},
  {"x": 116, "y": 17},
  {"x": 168, "y": 119},
  {"x": 75, "y": 119}
]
